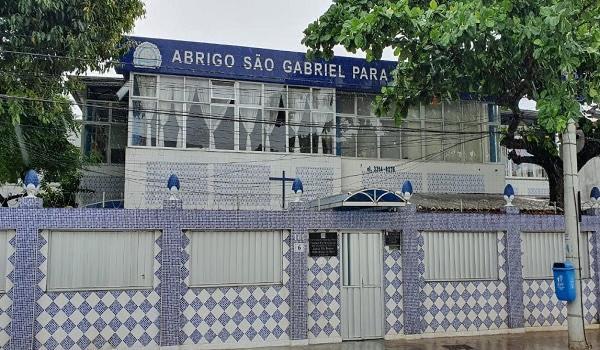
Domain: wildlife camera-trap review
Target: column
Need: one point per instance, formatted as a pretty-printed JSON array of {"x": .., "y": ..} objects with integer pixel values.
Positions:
[
  {"x": 514, "y": 272},
  {"x": 298, "y": 271},
  {"x": 170, "y": 273},
  {"x": 25, "y": 291},
  {"x": 412, "y": 273}
]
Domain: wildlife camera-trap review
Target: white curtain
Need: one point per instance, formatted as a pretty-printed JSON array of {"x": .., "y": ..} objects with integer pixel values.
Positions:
[
  {"x": 249, "y": 120},
  {"x": 269, "y": 126},
  {"x": 218, "y": 114},
  {"x": 300, "y": 102}
]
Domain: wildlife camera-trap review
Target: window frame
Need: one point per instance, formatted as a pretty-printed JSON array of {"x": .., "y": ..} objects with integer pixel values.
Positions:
[
  {"x": 190, "y": 252},
  {"x": 48, "y": 232}
]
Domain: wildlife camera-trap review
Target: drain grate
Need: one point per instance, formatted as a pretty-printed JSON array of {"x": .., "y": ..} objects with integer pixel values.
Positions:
[{"x": 458, "y": 347}]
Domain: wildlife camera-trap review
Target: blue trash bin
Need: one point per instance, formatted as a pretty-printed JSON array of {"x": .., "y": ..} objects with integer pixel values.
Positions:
[{"x": 564, "y": 280}]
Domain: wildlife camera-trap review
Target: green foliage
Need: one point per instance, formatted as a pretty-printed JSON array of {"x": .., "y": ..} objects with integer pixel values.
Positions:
[
  {"x": 547, "y": 50},
  {"x": 41, "y": 41}
]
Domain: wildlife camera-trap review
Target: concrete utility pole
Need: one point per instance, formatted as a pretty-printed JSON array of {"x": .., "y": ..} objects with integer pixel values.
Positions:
[{"x": 577, "y": 339}]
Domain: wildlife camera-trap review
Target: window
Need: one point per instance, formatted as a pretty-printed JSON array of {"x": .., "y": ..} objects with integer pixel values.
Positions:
[
  {"x": 235, "y": 258},
  {"x": 104, "y": 136},
  {"x": 452, "y": 256},
  {"x": 124, "y": 262},
  {"x": 542, "y": 249}
]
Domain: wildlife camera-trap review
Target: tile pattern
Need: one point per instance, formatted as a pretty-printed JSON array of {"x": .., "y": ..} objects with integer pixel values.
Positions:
[
  {"x": 455, "y": 183},
  {"x": 467, "y": 306},
  {"x": 194, "y": 178},
  {"x": 83, "y": 320},
  {"x": 6, "y": 295},
  {"x": 392, "y": 286},
  {"x": 113, "y": 187},
  {"x": 542, "y": 307},
  {"x": 318, "y": 182},
  {"x": 244, "y": 186},
  {"x": 324, "y": 295},
  {"x": 229, "y": 315},
  {"x": 392, "y": 181}
]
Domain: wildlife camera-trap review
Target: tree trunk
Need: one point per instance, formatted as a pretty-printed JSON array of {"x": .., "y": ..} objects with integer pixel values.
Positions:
[{"x": 556, "y": 184}]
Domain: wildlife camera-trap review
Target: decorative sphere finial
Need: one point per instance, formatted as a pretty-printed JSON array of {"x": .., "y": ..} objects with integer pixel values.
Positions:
[
  {"x": 173, "y": 186},
  {"x": 31, "y": 183},
  {"x": 509, "y": 195},
  {"x": 407, "y": 190},
  {"x": 595, "y": 195},
  {"x": 297, "y": 188}
]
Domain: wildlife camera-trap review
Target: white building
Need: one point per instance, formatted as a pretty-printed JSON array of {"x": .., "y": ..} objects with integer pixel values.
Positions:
[{"x": 225, "y": 119}]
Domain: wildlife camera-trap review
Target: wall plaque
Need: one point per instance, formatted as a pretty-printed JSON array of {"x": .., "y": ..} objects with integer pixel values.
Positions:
[
  {"x": 322, "y": 244},
  {"x": 393, "y": 239}
]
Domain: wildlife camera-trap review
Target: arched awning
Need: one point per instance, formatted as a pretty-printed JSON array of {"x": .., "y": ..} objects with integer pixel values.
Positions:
[{"x": 367, "y": 198}]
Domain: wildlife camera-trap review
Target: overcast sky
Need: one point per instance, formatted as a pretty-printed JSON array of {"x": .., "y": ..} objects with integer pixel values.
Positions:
[{"x": 272, "y": 24}]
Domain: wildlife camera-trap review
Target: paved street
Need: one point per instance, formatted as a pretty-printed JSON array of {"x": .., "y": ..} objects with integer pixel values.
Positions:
[{"x": 524, "y": 341}]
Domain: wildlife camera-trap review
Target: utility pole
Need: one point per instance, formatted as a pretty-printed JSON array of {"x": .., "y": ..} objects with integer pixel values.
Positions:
[{"x": 577, "y": 340}]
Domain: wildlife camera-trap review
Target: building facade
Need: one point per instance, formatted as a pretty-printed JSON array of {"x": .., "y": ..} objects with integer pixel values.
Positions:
[{"x": 225, "y": 119}]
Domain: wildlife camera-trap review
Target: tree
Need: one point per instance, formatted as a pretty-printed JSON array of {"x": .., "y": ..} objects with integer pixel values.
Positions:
[
  {"x": 40, "y": 42},
  {"x": 547, "y": 51}
]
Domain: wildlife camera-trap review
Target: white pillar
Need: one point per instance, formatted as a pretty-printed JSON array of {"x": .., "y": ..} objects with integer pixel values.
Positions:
[{"x": 577, "y": 339}]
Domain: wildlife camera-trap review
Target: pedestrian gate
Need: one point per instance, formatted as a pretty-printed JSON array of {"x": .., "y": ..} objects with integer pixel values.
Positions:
[{"x": 362, "y": 274}]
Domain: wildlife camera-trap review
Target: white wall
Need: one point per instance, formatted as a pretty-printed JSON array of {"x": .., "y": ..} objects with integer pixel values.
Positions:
[{"x": 231, "y": 179}]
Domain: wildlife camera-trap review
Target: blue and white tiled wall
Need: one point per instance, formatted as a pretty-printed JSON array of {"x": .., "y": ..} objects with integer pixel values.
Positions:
[
  {"x": 392, "y": 291},
  {"x": 467, "y": 306},
  {"x": 306, "y": 306},
  {"x": 323, "y": 294},
  {"x": 230, "y": 315},
  {"x": 542, "y": 308},
  {"x": 97, "y": 319}
]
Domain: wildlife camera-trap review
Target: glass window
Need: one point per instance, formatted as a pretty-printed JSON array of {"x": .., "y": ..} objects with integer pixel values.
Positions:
[
  {"x": 322, "y": 133},
  {"x": 118, "y": 143},
  {"x": 250, "y": 94},
  {"x": 471, "y": 111},
  {"x": 197, "y": 126},
  {"x": 389, "y": 143},
  {"x": 275, "y": 96},
  {"x": 170, "y": 124},
  {"x": 364, "y": 104},
  {"x": 300, "y": 131},
  {"x": 222, "y": 126},
  {"x": 411, "y": 135},
  {"x": 275, "y": 131},
  {"x": 433, "y": 139},
  {"x": 196, "y": 90},
  {"x": 473, "y": 143},
  {"x": 143, "y": 123},
  {"x": 300, "y": 98},
  {"x": 223, "y": 92},
  {"x": 171, "y": 88},
  {"x": 250, "y": 129},
  {"x": 347, "y": 140},
  {"x": 144, "y": 85},
  {"x": 366, "y": 139},
  {"x": 452, "y": 142},
  {"x": 96, "y": 142},
  {"x": 323, "y": 99},
  {"x": 433, "y": 112},
  {"x": 97, "y": 111},
  {"x": 120, "y": 112},
  {"x": 344, "y": 103}
]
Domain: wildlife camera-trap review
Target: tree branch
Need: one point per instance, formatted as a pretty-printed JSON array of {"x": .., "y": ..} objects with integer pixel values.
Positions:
[{"x": 4, "y": 200}]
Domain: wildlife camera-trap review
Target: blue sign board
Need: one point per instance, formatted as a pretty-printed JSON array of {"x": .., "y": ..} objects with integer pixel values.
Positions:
[{"x": 161, "y": 56}]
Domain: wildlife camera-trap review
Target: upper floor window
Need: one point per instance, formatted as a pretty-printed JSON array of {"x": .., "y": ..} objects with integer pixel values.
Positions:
[{"x": 104, "y": 134}]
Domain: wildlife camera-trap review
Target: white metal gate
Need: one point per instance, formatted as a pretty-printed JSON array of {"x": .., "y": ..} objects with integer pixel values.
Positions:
[{"x": 362, "y": 295}]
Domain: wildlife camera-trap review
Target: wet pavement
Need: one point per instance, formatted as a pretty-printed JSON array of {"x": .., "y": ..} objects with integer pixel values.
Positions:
[{"x": 548, "y": 340}]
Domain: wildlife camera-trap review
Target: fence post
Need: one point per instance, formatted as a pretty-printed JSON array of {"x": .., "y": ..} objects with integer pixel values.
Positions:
[
  {"x": 412, "y": 274},
  {"x": 298, "y": 274},
  {"x": 516, "y": 317},
  {"x": 170, "y": 272}
]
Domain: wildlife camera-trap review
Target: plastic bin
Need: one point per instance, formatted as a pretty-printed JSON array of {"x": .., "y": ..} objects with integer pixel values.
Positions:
[{"x": 564, "y": 280}]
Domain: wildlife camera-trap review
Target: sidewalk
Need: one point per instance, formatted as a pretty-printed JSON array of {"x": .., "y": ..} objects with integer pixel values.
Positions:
[{"x": 549, "y": 340}]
